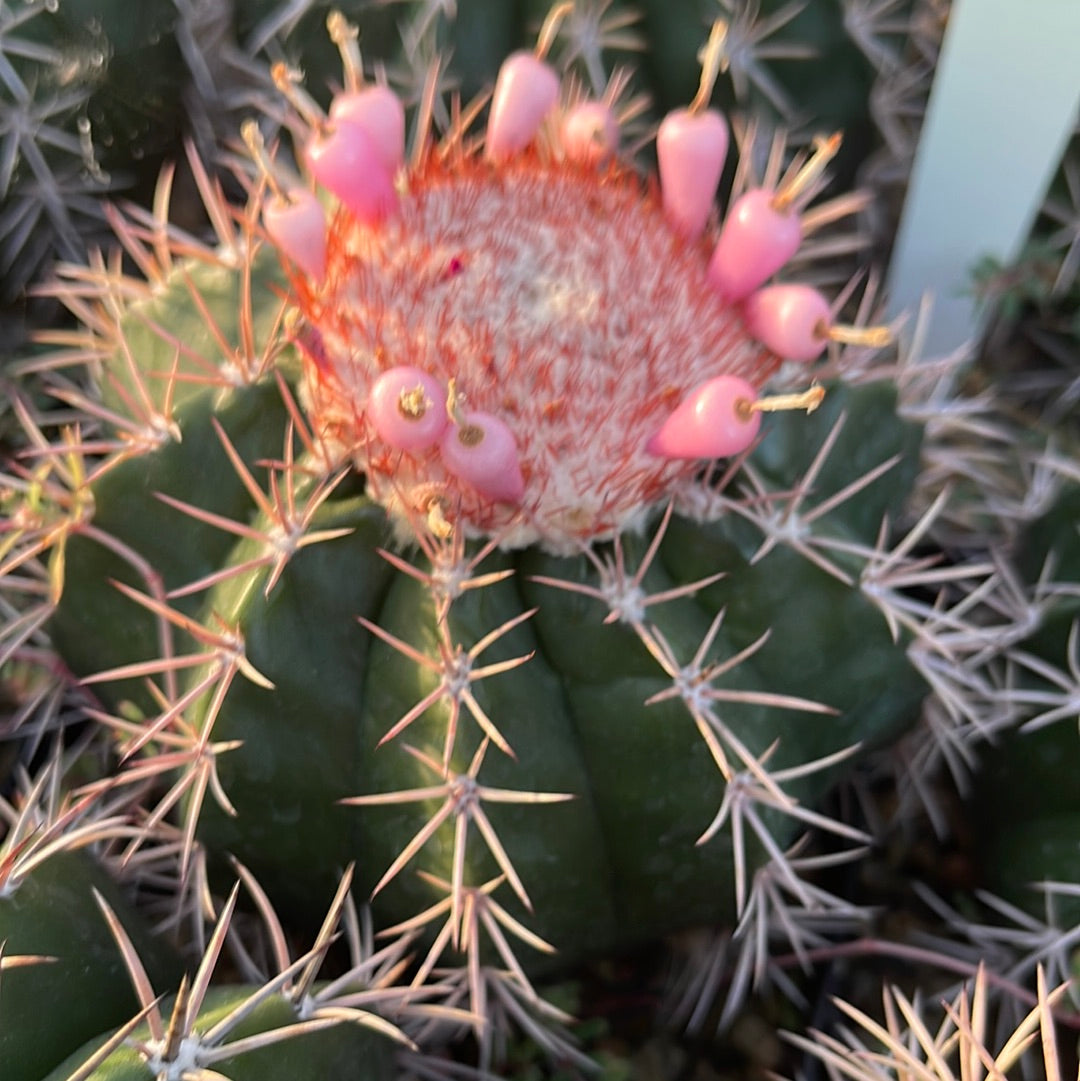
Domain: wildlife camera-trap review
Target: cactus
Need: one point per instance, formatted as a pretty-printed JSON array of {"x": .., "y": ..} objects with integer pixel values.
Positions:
[{"x": 468, "y": 529}]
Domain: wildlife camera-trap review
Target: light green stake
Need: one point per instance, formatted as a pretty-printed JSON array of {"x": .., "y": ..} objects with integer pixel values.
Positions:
[{"x": 1003, "y": 104}]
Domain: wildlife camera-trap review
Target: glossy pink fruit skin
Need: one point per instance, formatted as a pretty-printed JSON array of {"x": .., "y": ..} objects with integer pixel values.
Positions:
[
  {"x": 525, "y": 92},
  {"x": 690, "y": 153},
  {"x": 297, "y": 227},
  {"x": 788, "y": 319},
  {"x": 590, "y": 133},
  {"x": 394, "y": 425},
  {"x": 346, "y": 161},
  {"x": 755, "y": 242},
  {"x": 491, "y": 466},
  {"x": 378, "y": 110},
  {"x": 707, "y": 424}
]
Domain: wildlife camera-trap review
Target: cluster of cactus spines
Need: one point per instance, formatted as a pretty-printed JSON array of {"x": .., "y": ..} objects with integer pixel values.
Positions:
[
  {"x": 996, "y": 600},
  {"x": 948, "y": 1043},
  {"x": 256, "y": 1029},
  {"x": 347, "y": 579},
  {"x": 48, "y": 168}
]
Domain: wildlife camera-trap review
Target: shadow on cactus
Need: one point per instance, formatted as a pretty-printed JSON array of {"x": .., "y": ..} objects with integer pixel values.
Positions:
[{"x": 439, "y": 520}]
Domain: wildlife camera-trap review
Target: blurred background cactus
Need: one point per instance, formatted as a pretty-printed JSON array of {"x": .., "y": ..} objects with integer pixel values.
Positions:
[{"x": 321, "y": 760}]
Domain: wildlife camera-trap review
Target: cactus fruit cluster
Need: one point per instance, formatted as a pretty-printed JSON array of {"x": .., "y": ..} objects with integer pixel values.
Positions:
[
  {"x": 95, "y": 98},
  {"x": 483, "y": 553}
]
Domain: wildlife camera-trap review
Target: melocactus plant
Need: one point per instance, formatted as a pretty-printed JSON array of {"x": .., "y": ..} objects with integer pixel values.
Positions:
[{"x": 438, "y": 523}]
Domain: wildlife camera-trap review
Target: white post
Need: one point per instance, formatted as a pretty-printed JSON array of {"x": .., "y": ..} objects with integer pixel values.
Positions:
[{"x": 1003, "y": 103}]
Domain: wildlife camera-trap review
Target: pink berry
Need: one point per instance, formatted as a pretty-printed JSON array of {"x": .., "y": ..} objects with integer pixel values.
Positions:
[
  {"x": 407, "y": 408},
  {"x": 346, "y": 161},
  {"x": 378, "y": 110},
  {"x": 690, "y": 152},
  {"x": 525, "y": 92},
  {"x": 589, "y": 133},
  {"x": 482, "y": 452},
  {"x": 297, "y": 226},
  {"x": 712, "y": 421},
  {"x": 791, "y": 320},
  {"x": 756, "y": 241}
]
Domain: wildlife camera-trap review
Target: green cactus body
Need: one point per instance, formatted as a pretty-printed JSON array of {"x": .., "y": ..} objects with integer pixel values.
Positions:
[
  {"x": 48, "y": 1009},
  {"x": 345, "y": 1050}
]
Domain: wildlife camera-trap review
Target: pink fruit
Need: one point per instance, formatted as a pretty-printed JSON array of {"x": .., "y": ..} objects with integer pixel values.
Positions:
[
  {"x": 525, "y": 92},
  {"x": 297, "y": 226},
  {"x": 378, "y": 110},
  {"x": 482, "y": 452},
  {"x": 407, "y": 408},
  {"x": 346, "y": 161},
  {"x": 712, "y": 421},
  {"x": 757, "y": 239},
  {"x": 791, "y": 320},
  {"x": 589, "y": 133},
  {"x": 690, "y": 152}
]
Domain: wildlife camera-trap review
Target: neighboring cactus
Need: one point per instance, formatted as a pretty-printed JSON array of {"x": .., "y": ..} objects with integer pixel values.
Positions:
[
  {"x": 1034, "y": 838},
  {"x": 1024, "y": 499},
  {"x": 95, "y": 97},
  {"x": 77, "y": 985},
  {"x": 84, "y": 99},
  {"x": 382, "y": 533}
]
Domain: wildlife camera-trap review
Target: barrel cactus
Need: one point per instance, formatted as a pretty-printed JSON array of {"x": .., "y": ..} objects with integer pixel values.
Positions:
[{"x": 482, "y": 527}]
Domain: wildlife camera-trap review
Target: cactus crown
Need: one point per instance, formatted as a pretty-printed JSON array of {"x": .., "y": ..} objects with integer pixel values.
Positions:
[{"x": 473, "y": 312}]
